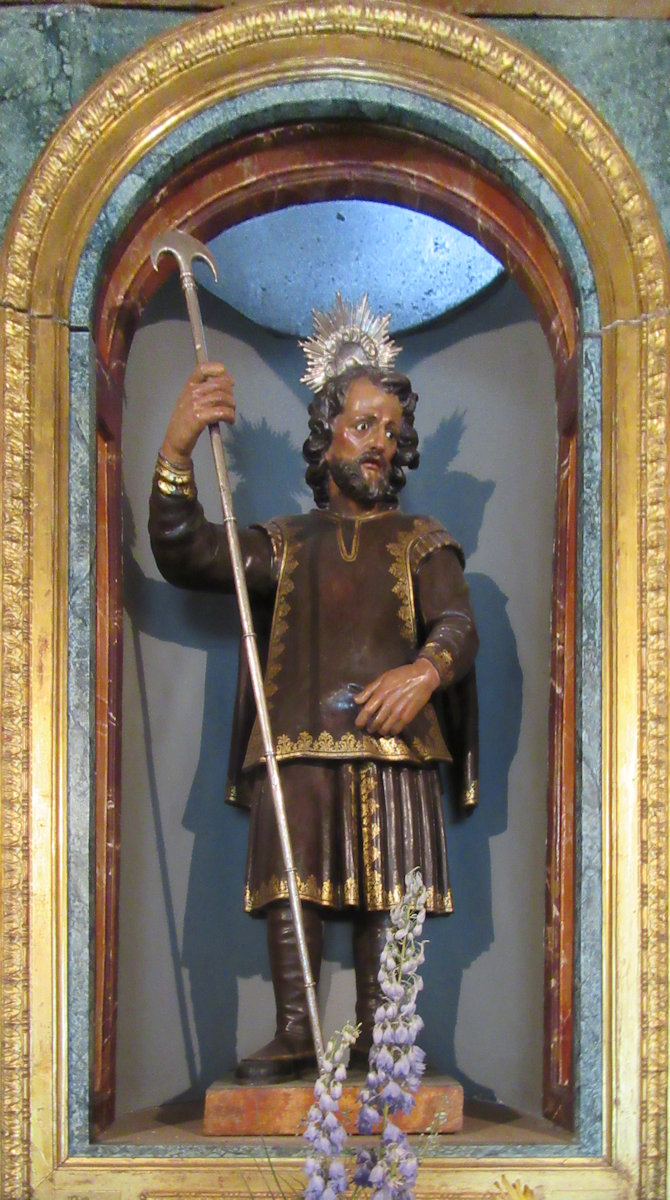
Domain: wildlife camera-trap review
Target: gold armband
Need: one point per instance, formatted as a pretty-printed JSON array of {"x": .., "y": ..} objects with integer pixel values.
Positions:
[
  {"x": 174, "y": 481},
  {"x": 441, "y": 659}
]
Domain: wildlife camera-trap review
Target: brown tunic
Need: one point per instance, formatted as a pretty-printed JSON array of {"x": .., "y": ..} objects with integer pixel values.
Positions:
[
  {"x": 350, "y": 599},
  {"x": 344, "y": 613}
]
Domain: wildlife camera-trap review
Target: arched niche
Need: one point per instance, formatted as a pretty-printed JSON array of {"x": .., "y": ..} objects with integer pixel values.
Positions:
[
  {"x": 481, "y": 93},
  {"x": 298, "y": 164}
]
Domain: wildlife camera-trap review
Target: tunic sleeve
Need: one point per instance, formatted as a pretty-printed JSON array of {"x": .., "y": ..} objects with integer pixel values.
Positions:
[
  {"x": 443, "y": 601},
  {"x": 192, "y": 552}
]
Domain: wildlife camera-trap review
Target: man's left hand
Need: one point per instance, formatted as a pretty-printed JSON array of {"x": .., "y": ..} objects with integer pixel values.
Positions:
[{"x": 395, "y": 698}]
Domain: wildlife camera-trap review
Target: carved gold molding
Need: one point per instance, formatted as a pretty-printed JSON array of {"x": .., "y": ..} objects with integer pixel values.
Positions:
[
  {"x": 645, "y": 9},
  {"x": 14, "y": 749},
  {"x": 195, "y": 47},
  {"x": 438, "y": 55}
]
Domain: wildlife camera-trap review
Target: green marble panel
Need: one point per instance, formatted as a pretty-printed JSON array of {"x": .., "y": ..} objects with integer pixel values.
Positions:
[
  {"x": 49, "y": 56},
  {"x": 623, "y": 69}
]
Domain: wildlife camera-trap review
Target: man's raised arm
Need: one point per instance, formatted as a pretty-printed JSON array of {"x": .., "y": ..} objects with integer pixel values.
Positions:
[{"x": 189, "y": 550}]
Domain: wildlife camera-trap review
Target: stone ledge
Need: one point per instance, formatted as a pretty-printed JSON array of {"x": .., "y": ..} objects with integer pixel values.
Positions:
[{"x": 242, "y": 1110}]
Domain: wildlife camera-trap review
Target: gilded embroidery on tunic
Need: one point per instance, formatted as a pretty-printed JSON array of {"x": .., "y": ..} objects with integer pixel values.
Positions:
[
  {"x": 408, "y": 552},
  {"x": 363, "y": 745},
  {"x": 327, "y": 893},
  {"x": 436, "y": 902},
  {"x": 288, "y": 565},
  {"x": 471, "y": 796},
  {"x": 402, "y": 588},
  {"x": 370, "y": 838}
]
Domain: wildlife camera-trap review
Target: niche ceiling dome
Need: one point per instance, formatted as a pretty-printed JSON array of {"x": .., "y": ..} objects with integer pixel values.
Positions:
[{"x": 277, "y": 267}]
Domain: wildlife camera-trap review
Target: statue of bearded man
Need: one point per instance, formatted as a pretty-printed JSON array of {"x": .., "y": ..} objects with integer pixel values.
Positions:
[{"x": 369, "y": 630}]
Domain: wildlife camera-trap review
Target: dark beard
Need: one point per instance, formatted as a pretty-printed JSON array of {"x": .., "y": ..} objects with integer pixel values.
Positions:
[{"x": 352, "y": 483}]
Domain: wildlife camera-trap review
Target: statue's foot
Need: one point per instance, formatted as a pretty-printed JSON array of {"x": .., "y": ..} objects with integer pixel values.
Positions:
[{"x": 282, "y": 1058}]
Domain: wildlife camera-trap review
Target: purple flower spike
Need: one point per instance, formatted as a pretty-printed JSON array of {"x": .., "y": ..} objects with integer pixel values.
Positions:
[
  {"x": 391, "y": 1095},
  {"x": 402, "y": 1035},
  {"x": 314, "y": 1188},
  {"x": 377, "y": 1174},
  {"x": 383, "y": 1059},
  {"x": 394, "y": 990},
  {"x": 408, "y": 1168},
  {"x": 391, "y": 1133},
  {"x": 337, "y": 1173},
  {"x": 337, "y": 1139},
  {"x": 368, "y": 1119},
  {"x": 326, "y": 1174},
  {"x": 365, "y": 1161},
  {"x": 395, "y": 1070},
  {"x": 396, "y": 1063}
]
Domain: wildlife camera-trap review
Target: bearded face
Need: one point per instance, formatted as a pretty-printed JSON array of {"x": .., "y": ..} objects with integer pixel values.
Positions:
[
  {"x": 366, "y": 488},
  {"x": 363, "y": 444}
]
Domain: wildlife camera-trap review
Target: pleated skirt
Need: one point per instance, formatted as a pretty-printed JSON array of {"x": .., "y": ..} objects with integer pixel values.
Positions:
[{"x": 356, "y": 827}]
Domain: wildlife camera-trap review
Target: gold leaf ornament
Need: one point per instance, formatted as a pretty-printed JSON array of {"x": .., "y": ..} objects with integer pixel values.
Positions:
[{"x": 514, "y": 1191}]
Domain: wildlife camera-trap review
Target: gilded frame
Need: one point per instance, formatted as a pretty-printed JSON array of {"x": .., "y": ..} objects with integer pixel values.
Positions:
[{"x": 415, "y": 46}]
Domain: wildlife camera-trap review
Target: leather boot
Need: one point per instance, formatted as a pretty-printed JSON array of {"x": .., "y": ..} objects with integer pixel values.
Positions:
[
  {"x": 369, "y": 941},
  {"x": 292, "y": 1048}
]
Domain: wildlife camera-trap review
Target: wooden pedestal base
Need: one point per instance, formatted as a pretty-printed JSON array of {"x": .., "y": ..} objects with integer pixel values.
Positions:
[{"x": 239, "y": 1110}]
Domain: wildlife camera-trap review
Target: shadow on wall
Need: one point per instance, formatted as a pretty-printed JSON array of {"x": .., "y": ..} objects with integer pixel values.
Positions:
[
  {"x": 220, "y": 944},
  {"x": 458, "y": 500}
]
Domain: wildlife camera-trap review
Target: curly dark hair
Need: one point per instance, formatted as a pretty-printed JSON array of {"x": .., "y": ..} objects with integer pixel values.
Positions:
[{"x": 326, "y": 405}]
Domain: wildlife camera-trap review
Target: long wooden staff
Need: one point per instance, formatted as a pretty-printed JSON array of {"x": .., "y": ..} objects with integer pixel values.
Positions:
[{"x": 185, "y": 249}]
